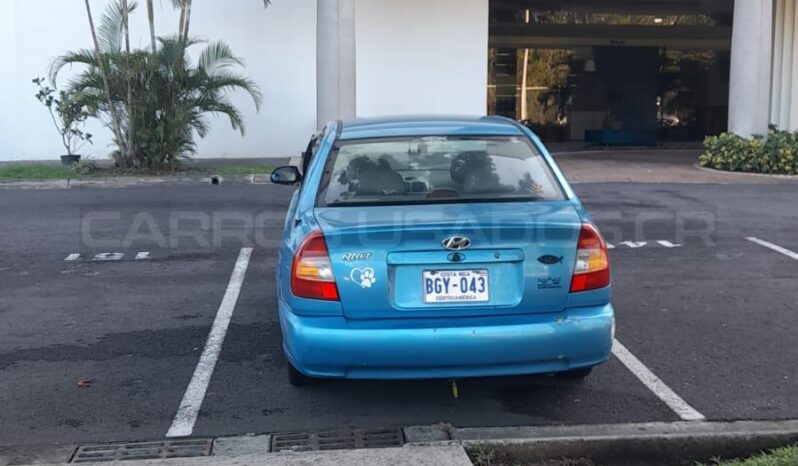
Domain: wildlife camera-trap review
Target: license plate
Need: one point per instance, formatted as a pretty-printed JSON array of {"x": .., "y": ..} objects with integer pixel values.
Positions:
[{"x": 455, "y": 286}]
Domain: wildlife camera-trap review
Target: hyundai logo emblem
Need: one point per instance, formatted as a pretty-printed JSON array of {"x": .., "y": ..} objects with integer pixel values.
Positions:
[{"x": 456, "y": 243}]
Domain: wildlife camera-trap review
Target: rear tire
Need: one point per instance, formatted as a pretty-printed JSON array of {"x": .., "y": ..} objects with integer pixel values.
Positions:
[
  {"x": 298, "y": 379},
  {"x": 575, "y": 374}
]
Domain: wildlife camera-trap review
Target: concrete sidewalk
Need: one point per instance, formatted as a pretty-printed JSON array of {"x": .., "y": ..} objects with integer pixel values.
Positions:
[
  {"x": 650, "y": 166},
  {"x": 598, "y": 166},
  {"x": 445, "y": 455}
]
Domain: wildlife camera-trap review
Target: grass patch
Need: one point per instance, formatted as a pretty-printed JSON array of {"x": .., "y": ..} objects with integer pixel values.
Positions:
[
  {"x": 88, "y": 170},
  {"x": 244, "y": 170},
  {"x": 787, "y": 456},
  {"x": 482, "y": 455},
  {"x": 35, "y": 172}
]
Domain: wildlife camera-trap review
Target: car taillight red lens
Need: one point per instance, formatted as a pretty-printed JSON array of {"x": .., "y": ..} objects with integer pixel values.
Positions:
[
  {"x": 311, "y": 274},
  {"x": 592, "y": 267}
]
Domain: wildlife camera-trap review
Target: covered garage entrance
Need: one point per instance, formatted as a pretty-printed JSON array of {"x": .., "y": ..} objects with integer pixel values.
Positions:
[{"x": 612, "y": 72}]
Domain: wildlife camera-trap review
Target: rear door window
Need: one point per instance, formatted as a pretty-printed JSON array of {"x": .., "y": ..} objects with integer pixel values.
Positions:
[
  {"x": 313, "y": 147},
  {"x": 436, "y": 170}
]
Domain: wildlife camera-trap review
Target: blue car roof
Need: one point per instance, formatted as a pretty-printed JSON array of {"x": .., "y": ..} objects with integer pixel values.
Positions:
[{"x": 425, "y": 125}]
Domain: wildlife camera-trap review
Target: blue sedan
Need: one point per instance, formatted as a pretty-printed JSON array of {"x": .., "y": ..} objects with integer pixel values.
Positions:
[{"x": 438, "y": 247}]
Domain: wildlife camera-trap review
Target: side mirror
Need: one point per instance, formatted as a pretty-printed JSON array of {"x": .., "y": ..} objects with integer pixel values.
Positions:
[{"x": 288, "y": 175}]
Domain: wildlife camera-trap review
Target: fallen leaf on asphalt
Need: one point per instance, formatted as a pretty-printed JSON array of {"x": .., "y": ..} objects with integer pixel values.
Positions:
[{"x": 84, "y": 383}]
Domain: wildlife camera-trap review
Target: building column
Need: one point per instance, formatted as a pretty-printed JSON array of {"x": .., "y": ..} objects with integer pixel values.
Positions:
[
  {"x": 751, "y": 62},
  {"x": 784, "y": 97},
  {"x": 336, "y": 90}
]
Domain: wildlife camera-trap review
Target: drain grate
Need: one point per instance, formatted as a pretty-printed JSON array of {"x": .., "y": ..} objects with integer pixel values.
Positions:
[
  {"x": 342, "y": 439},
  {"x": 143, "y": 450}
]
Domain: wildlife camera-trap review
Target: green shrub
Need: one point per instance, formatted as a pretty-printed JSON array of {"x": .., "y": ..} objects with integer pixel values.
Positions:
[{"x": 776, "y": 153}]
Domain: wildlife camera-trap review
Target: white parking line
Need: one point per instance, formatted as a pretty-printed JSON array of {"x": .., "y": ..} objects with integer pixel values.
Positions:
[
  {"x": 109, "y": 256},
  {"x": 655, "y": 384},
  {"x": 635, "y": 244},
  {"x": 774, "y": 247},
  {"x": 186, "y": 417}
]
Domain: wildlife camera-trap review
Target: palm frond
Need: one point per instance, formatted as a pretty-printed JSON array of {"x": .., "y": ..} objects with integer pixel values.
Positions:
[
  {"x": 173, "y": 40},
  {"x": 171, "y": 57},
  {"x": 222, "y": 106},
  {"x": 111, "y": 28},
  {"x": 226, "y": 82},
  {"x": 218, "y": 56},
  {"x": 79, "y": 57}
]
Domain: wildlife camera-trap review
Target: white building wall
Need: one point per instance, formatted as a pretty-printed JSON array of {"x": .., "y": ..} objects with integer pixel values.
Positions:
[
  {"x": 278, "y": 45},
  {"x": 8, "y": 96},
  {"x": 421, "y": 56}
]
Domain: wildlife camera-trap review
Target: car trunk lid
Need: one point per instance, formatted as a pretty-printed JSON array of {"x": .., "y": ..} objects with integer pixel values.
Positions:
[{"x": 389, "y": 261}]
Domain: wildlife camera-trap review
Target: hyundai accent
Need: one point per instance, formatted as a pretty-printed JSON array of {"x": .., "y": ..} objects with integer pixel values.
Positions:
[{"x": 438, "y": 247}]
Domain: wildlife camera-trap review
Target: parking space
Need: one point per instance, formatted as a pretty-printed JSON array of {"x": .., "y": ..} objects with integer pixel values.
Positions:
[
  {"x": 714, "y": 319},
  {"x": 94, "y": 349},
  {"x": 100, "y": 346},
  {"x": 101, "y": 349},
  {"x": 250, "y": 390}
]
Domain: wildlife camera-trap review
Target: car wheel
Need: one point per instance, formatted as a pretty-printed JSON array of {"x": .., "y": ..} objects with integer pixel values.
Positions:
[
  {"x": 575, "y": 374},
  {"x": 298, "y": 379}
]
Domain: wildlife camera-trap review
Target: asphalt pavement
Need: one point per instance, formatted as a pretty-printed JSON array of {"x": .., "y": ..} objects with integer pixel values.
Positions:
[{"x": 107, "y": 297}]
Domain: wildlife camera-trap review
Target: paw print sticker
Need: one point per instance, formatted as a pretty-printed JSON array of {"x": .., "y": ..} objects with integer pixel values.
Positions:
[{"x": 366, "y": 278}]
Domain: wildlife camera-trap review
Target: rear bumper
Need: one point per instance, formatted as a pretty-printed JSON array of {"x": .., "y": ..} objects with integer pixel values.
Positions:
[{"x": 334, "y": 347}]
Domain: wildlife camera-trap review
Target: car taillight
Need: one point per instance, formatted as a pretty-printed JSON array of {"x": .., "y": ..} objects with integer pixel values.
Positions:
[
  {"x": 592, "y": 268},
  {"x": 312, "y": 274}
]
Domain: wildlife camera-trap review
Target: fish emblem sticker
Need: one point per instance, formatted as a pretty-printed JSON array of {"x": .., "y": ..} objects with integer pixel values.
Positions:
[{"x": 550, "y": 260}]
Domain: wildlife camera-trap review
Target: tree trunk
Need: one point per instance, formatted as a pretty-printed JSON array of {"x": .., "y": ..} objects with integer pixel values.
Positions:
[
  {"x": 524, "y": 87},
  {"x": 115, "y": 126},
  {"x": 182, "y": 25},
  {"x": 151, "y": 18},
  {"x": 187, "y": 20},
  {"x": 131, "y": 128}
]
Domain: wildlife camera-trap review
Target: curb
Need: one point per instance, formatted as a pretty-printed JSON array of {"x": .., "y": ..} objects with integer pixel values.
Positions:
[
  {"x": 133, "y": 181},
  {"x": 646, "y": 443},
  {"x": 761, "y": 175},
  {"x": 593, "y": 151},
  {"x": 238, "y": 451},
  {"x": 641, "y": 443}
]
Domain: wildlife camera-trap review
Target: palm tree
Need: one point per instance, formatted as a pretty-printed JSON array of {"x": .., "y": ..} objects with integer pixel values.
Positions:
[
  {"x": 160, "y": 100},
  {"x": 187, "y": 20},
  {"x": 101, "y": 70},
  {"x": 151, "y": 20},
  {"x": 131, "y": 129}
]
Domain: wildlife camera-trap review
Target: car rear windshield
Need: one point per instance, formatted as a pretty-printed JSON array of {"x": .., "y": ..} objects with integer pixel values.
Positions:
[{"x": 434, "y": 170}]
